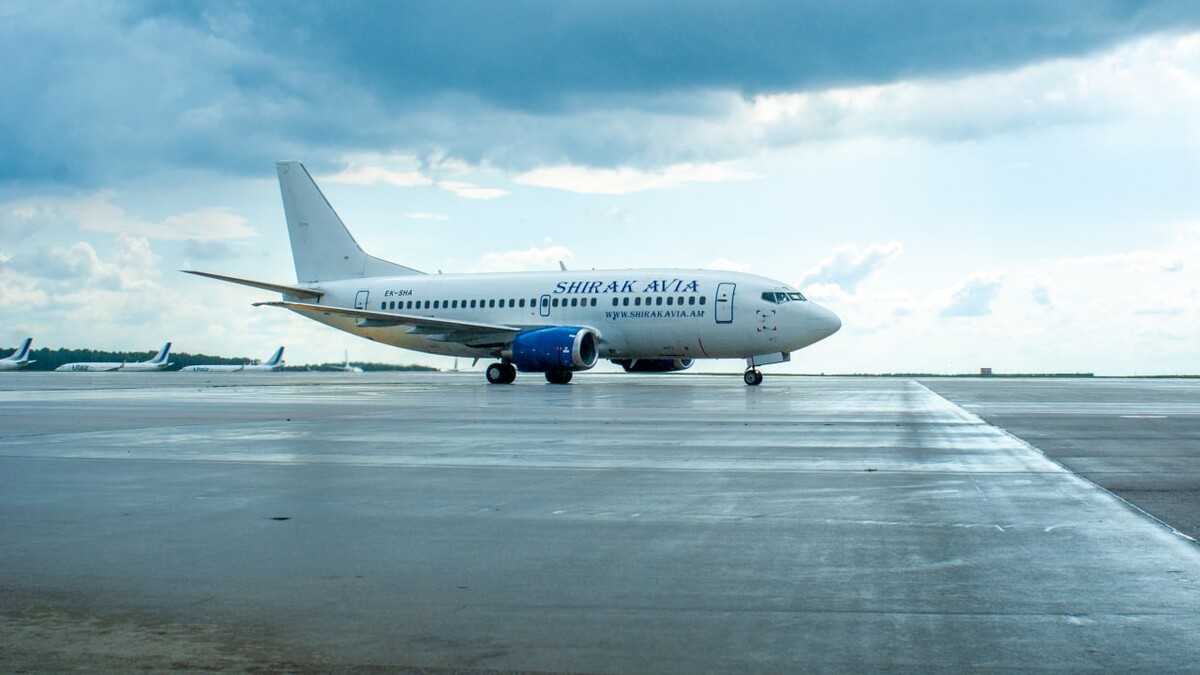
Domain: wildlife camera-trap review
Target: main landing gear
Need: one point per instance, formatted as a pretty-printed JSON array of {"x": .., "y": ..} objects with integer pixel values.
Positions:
[
  {"x": 753, "y": 377},
  {"x": 501, "y": 373},
  {"x": 506, "y": 373}
]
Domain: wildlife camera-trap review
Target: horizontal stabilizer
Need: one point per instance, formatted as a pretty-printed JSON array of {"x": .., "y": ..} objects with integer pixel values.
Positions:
[{"x": 299, "y": 291}]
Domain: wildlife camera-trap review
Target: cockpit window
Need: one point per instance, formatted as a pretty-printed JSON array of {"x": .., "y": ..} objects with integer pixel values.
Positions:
[{"x": 780, "y": 297}]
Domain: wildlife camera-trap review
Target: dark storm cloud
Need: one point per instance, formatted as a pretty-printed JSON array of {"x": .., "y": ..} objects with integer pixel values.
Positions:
[
  {"x": 534, "y": 54},
  {"x": 95, "y": 91}
]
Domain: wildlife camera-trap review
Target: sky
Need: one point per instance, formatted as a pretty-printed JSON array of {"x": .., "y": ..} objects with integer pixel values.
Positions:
[{"x": 1013, "y": 185}]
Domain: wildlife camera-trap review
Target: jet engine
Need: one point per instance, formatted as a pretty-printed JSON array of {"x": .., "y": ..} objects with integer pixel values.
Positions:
[
  {"x": 653, "y": 365},
  {"x": 557, "y": 348}
]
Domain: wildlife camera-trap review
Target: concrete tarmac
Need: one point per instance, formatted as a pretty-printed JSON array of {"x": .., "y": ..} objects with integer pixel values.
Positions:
[
  {"x": 1138, "y": 438},
  {"x": 280, "y": 522}
]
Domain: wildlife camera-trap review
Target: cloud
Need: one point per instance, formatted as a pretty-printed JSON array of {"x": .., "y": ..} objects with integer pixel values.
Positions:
[
  {"x": 974, "y": 297},
  {"x": 207, "y": 250},
  {"x": 627, "y": 179},
  {"x": 367, "y": 171},
  {"x": 372, "y": 175},
  {"x": 1040, "y": 294},
  {"x": 97, "y": 213},
  {"x": 132, "y": 88},
  {"x": 134, "y": 265},
  {"x": 729, "y": 265},
  {"x": 850, "y": 265},
  {"x": 533, "y": 258},
  {"x": 532, "y": 55},
  {"x": 439, "y": 217}
]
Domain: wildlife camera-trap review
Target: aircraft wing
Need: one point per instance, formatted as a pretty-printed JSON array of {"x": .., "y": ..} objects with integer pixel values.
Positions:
[
  {"x": 300, "y": 291},
  {"x": 447, "y": 330}
]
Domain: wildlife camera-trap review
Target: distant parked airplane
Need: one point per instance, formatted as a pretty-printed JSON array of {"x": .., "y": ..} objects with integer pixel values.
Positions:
[
  {"x": 272, "y": 364},
  {"x": 346, "y": 367},
  {"x": 159, "y": 362},
  {"x": 556, "y": 323},
  {"x": 19, "y": 358}
]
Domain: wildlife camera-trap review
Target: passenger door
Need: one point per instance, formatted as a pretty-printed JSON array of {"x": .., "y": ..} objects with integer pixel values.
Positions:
[{"x": 724, "y": 304}]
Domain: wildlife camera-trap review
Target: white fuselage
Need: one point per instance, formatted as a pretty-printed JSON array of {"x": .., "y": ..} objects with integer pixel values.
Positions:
[
  {"x": 101, "y": 366},
  {"x": 667, "y": 313},
  {"x": 223, "y": 368}
]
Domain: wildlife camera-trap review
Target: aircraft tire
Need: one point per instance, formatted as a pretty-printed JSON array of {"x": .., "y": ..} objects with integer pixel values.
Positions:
[
  {"x": 753, "y": 378},
  {"x": 558, "y": 376},
  {"x": 501, "y": 373}
]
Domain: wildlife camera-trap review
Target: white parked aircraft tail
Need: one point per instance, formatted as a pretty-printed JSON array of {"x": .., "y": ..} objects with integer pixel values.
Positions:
[
  {"x": 19, "y": 358},
  {"x": 322, "y": 247},
  {"x": 275, "y": 359},
  {"x": 161, "y": 358}
]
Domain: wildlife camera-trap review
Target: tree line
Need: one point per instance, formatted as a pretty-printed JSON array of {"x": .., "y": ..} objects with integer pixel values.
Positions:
[{"x": 49, "y": 359}]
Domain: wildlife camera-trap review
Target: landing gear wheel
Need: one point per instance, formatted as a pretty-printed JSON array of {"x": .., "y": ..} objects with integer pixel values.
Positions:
[
  {"x": 753, "y": 378},
  {"x": 501, "y": 373},
  {"x": 558, "y": 376}
]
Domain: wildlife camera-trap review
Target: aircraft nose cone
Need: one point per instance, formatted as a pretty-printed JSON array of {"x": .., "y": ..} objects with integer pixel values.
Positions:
[{"x": 827, "y": 323}]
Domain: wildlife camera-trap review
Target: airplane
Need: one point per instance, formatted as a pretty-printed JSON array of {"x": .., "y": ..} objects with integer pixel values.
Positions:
[
  {"x": 19, "y": 358},
  {"x": 270, "y": 365},
  {"x": 346, "y": 367},
  {"x": 556, "y": 323},
  {"x": 159, "y": 362}
]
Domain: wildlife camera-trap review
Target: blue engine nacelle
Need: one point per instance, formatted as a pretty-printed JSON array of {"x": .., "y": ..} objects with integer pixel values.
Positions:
[
  {"x": 555, "y": 348},
  {"x": 653, "y": 365}
]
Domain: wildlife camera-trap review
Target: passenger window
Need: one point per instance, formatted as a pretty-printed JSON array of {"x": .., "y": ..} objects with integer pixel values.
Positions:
[
  {"x": 383, "y": 305},
  {"x": 703, "y": 299},
  {"x": 637, "y": 302},
  {"x": 658, "y": 300},
  {"x": 554, "y": 302},
  {"x": 545, "y": 302},
  {"x": 625, "y": 302},
  {"x": 615, "y": 301},
  {"x": 521, "y": 303},
  {"x": 679, "y": 301},
  {"x": 670, "y": 300},
  {"x": 691, "y": 300},
  {"x": 491, "y": 303},
  {"x": 593, "y": 302},
  {"x": 426, "y": 304},
  {"x": 574, "y": 302},
  {"x": 435, "y": 304},
  {"x": 512, "y": 302}
]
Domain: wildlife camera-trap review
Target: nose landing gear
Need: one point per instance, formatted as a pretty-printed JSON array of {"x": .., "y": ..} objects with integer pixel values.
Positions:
[{"x": 753, "y": 377}]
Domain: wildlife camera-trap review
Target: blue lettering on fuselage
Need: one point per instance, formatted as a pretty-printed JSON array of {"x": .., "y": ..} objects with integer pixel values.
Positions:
[{"x": 626, "y": 286}]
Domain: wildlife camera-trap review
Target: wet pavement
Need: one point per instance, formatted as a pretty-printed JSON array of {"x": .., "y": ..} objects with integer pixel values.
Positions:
[
  {"x": 1139, "y": 438},
  {"x": 619, "y": 524}
]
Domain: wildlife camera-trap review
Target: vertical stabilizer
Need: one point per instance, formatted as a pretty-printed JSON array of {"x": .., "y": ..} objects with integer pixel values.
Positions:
[
  {"x": 162, "y": 354},
  {"x": 274, "y": 360},
  {"x": 22, "y": 354},
  {"x": 322, "y": 247}
]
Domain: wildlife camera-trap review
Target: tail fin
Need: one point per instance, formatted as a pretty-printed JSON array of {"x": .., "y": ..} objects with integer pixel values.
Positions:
[
  {"x": 322, "y": 247},
  {"x": 21, "y": 354},
  {"x": 162, "y": 354},
  {"x": 274, "y": 360}
]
